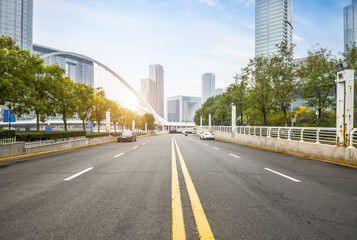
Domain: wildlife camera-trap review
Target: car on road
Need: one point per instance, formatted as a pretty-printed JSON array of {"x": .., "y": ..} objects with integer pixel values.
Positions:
[
  {"x": 127, "y": 136},
  {"x": 207, "y": 135}
]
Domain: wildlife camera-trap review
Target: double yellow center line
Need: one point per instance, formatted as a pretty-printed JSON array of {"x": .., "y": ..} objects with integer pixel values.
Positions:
[{"x": 178, "y": 226}]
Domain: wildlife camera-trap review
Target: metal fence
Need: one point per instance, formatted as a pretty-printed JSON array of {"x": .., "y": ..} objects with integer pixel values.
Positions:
[
  {"x": 50, "y": 142},
  {"x": 7, "y": 140},
  {"x": 302, "y": 134}
]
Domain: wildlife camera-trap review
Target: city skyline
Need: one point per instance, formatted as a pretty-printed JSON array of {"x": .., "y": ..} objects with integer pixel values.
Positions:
[{"x": 210, "y": 36}]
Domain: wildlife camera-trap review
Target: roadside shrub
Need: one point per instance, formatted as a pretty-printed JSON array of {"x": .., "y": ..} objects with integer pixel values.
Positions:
[
  {"x": 29, "y": 136},
  {"x": 7, "y": 134},
  {"x": 95, "y": 135}
]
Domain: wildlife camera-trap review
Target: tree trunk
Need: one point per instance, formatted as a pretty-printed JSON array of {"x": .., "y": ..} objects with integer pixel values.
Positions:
[
  {"x": 84, "y": 125},
  {"x": 285, "y": 117},
  {"x": 98, "y": 122},
  {"x": 265, "y": 117},
  {"x": 115, "y": 130},
  {"x": 65, "y": 122},
  {"x": 38, "y": 120}
]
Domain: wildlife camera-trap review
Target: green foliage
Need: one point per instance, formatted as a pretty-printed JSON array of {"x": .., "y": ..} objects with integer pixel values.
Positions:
[
  {"x": 95, "y": 135},
  {"x": 85, "y": 96},
  {"x": 150, "y": 120},
  {"x": 318, "y": 75},
  {"x": 36, "y": 136},
  {"x": 7, "y": 134}
]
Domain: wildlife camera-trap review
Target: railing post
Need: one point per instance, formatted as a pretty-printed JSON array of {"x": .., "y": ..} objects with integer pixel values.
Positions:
[
  {"x": 269, "y": 132},
  {"x": 351, "y": 138},
  {"x": 289, "y": 134},
  {"x": 302, "y": 135},
  {"x": 317, "y": 136},
  {"x": 254, "y": 130},
  {"x": 278, "y": 133}
]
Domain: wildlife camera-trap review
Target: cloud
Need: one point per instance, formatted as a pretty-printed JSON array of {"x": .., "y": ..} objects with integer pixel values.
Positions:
[
  {"x": 298, "y": 38},
  {"x": 211, "y": 3}
]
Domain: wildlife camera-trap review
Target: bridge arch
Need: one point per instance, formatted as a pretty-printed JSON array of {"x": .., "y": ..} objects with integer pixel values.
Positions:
[{"x": 158, "y": 118}]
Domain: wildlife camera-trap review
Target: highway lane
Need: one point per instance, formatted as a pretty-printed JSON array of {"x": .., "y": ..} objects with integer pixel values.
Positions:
[{"x": 123, "y": 191}]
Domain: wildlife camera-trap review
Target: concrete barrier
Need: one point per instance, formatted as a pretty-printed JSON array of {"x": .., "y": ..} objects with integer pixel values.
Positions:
[
  {"x": 325, "y": 152},
  {"x": 9, "y": 149}
]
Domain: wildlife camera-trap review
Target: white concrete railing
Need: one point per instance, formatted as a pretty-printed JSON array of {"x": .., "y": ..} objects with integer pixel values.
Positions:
[
  {"x": 307, "y": 134},
  {"x": 7, "y": 140},
  {"x": 49, "y": 142}
]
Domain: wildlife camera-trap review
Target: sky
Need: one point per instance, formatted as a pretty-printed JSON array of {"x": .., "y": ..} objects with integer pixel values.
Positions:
[{"x": 187, "y": 37}]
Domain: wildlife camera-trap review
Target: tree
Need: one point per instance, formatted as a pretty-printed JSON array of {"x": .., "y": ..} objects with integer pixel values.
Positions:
[
  {"x": 85, "y": 96},
  {"x": 65, "y": 98},
  {"x": 100, "y": 106},
  {"x": 238, "y": 90},
  {"x": 39, "y": 93},
  {"x": 281, "y": 70},
  {"x": 318, "y": 75},
  {"x": 115, "y": 113},
  {"x": 150, "y": 120},
  {"x": 260, "y": 84},
  {"x": 17, "y": 67}
]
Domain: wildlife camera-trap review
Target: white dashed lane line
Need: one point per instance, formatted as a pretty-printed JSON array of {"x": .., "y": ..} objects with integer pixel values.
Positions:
[
  {"x": 119, "y": 155},
  {"x": 216, "y": 148},
  {"x": 234, "y": 155},
  {"x": 135, "y": 147},
  {"x": 77, "y": 174},
  {"x": 143, "y": 143},
  {"x": 283, "y": 175}
]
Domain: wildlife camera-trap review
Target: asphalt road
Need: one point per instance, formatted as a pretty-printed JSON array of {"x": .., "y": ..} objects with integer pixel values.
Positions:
[{"x": 223, "y": 191}]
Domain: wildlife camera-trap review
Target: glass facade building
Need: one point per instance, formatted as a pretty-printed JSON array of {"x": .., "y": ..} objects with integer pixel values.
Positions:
[
  {"x": 350, "y": 24},
  {"x": 182, "y": 108},
  {"x": 156, "y": 73},
  {"x": 273, "y": 24},
  {"x": 16, "y": 21},
  {"x": 208, "y": 86},
  {"x": 78, "y": 69}
]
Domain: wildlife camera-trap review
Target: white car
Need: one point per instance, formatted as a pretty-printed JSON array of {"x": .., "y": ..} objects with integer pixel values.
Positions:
[{"x": 207, "y": 135}]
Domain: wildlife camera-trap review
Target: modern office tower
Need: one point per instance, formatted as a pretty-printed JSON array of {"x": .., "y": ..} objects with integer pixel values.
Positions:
[
  {"x": 182, "y": 108},
  {"x": 208, "y": 86},
  {"x": 148, "y": 91},
  {"x": 273, "y": 24},
  {"x": 16, "y": 21},
  {"x": 350, "y": 24},
  {"x": 78, "y": 69},
  {"x": 156, "y": 73}
]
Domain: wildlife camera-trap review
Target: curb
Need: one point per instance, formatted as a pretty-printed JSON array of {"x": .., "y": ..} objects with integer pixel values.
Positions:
[{"x": 310, "y": 156}]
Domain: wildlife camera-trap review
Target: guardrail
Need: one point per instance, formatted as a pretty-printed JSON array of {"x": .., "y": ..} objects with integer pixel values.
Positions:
[
  {"x": 302, "y": 134},
  {"x": 49, "y": 142},
  {"x": 7, "y": 140}
]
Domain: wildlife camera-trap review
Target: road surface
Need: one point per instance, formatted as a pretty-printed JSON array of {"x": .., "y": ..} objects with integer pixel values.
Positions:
[{"x": 171, "y": 187}]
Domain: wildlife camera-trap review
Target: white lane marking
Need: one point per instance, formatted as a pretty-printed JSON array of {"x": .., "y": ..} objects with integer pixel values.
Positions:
[
  {"x": 143, "y": 143},
  {"x": 206, "y": 144},
  {"x": 234, "y": 155},
  {"x": 77, "y": 174},
  {"x": 135, "y": 147},
  {"x": 216, "y": 148},
  {"x": 119, "y": 155},
  {"x": 283, "y": 175},
  {"x": 147, "y": 141}
]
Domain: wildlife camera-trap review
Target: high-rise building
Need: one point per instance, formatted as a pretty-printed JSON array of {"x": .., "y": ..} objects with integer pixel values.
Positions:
[
  {"x": 156, "y": 73},
  {"x": 78, "y": 69},
  {"x": 350, "y": 24},
  {"x": 148, "y": 91},
  {"x": 208, "y": 86},
  {"x": 182, "y": 108},
  {"x": 16, "y": 21},
  {"x": 273, "y": 24}
]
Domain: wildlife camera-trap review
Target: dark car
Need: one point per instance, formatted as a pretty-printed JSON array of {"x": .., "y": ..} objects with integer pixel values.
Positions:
[{"x": 127, "y": 136}]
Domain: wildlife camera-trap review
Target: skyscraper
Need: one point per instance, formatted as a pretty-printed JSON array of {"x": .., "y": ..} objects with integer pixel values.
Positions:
[
  {"x": 148, "y": 91},
  {"x": 16, "y": 21},
  {"x": 350, "y": 24},
  {"x": 208, "y": 86},
  {"x": 156, "y": 73},
  {"x": 273, "y": 24},
  {"x": 182, "y": 108}
]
